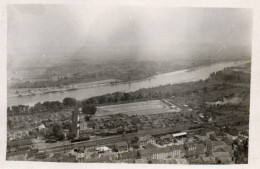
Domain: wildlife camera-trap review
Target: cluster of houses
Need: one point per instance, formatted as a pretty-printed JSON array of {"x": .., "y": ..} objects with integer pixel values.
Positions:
[
  {"x": 198, "y": 147},
  {"x": 16, "y": 110},
  {"x": 27, "y": 125},
  {"x": 120, "y": 123}
]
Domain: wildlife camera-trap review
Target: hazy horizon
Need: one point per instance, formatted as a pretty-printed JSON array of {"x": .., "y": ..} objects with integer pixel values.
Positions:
[{"x": 71, "y": 32}]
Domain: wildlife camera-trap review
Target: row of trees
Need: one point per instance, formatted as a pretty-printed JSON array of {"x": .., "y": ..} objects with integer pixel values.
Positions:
[
  {"x": 53, "y": 106},
  {"x": 42, "y": 107}
]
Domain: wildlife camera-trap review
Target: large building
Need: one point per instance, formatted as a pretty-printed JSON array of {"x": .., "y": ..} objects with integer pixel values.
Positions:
[{"x": 171, "y": 152}]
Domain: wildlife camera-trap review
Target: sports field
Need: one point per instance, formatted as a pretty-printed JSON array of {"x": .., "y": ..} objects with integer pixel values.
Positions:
[{"x": 137, "y": 108}]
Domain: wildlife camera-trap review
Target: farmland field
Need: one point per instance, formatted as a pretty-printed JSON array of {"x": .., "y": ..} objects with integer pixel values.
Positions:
[{"x": 137, "y": 108}]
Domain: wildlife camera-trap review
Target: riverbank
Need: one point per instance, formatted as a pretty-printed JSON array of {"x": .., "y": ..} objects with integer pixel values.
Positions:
[
  {"x": 76, "y": 86},
  {"x": 88, "y": 90},
  {"x": 20, "y": 92}
]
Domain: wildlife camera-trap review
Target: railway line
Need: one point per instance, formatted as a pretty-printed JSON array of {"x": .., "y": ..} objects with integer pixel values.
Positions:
[{"x": 124, "y": 137}]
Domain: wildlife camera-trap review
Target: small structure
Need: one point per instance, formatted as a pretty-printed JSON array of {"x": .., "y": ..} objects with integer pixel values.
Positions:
[
  {"x": 19, "y": 143},
  {"x": 128, "y": 157},
  {"x": 103, "y": 149},
  {"x": 144, "y": 140},
  {"x": 222, "y": 157},
  {"x": 179, "y": 136},
  {"x": 41, "y": 127},
  {"x": 208, "y": 160},
  {"x": 172, "y": 106},
  {"x": 66, "y": 133},
  {"x": 83, "y": 127},
  {"x": 121, "y": 147},
  {"x": 166, "y": 139},
  {"x": 195, "y": 150}
]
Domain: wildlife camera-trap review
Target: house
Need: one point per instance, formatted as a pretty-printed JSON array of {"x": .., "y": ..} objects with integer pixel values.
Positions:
[
  {"x": 222, "y": 157},
  {"x": 103, "y": 149},
  {"x": 80, "y": 157},
  {"x": 121, "y": 147},
  {"x": 106, "y": 159},
  {"x": 201, "y": 138},
  {"x": 195, "y": 150},
  {"x": 41, "y": 127},
  {"x": 209, "y": 147},
  {"x": 19, "y": 143},
  {"x": 91, "y": 124},
  {"x": 166, "y": 139},
  {"x": 218, "y": 145},
  {"x": 195, "y": 161},
  {"x": 47, "y": 123},
  {"x": 190, "y": 146},
  {"x": 150, "y": 146},
  {"x": 224, "y": 160},
  {"x": 128, "y": 157},
  {"x": 69, "y": 158},
  {"x": 227, "y": 140},
  {"x": 141, "y": 161},
  {"x": 144, "y": 140},
  {"x": 206, "y": 132},
  {"x": 162, "y": 153},
  {"x": 169, "y": 161},
  {"x": 83, "y": 127},
  {"x": 208, "y": 160}
]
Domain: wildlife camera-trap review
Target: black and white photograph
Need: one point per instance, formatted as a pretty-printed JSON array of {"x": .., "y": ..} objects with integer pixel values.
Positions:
[{"x": 128, "y": 84}]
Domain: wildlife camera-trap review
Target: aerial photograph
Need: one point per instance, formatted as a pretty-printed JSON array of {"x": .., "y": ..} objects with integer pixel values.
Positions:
[{"x": 128, "y": 84}]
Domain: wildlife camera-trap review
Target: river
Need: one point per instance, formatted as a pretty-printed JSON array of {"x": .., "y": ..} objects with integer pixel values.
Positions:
[{"x": 96, "y": 90}]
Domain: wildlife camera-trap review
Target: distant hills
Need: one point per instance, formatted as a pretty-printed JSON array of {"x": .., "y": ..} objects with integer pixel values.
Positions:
[{"x": 96, "y": 54}]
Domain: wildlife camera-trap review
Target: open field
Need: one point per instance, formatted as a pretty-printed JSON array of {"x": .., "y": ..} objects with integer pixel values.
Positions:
[{"x": 137, "y": 108}]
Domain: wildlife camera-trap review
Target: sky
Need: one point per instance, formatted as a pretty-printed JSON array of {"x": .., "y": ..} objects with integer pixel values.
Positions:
[{"x": 43, "y": 31}]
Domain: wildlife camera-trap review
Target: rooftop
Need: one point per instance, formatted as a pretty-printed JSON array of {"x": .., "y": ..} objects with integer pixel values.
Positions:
[
  {"x": 220, "y": 154},
  {"x": 179, "y": 134},
  {"x": 127, "y": 155},
  {"x": 123, "y": 143},
  {"x": 144, "y": 138},
  {"x": 161, "y": 150}
]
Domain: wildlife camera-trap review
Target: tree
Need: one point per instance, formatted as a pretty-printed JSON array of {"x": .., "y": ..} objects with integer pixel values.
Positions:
[
  {"x": 9, "y": 111},
  {"x": 9, "y": 124},
  {"x": 53, "y": 105},
  {"x": 15, "y": 109},
  {"x": 126, "y": 97},
  {"x": 138, "y": 154},
  {"x": 87, "y": 118},
  {"x": 205, "y": 89},
  {"x": 71, "y": 136},
  {"x": 89, "y": 109},
  {"x": 70, "y": 102},
  {"x": 66, "y": 125},
  {"x": 57, "y": 131}
]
